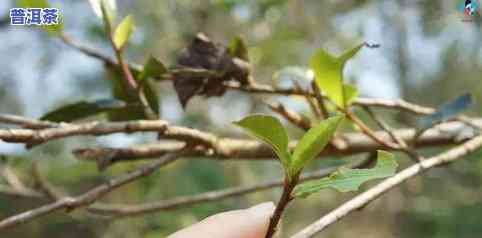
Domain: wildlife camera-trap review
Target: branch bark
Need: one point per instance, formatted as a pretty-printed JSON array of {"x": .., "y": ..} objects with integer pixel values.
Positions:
[
  {"x": 383, "y": 187},
  {"x": 212, "y": 146},
  {"x": 261, "y": 88},
  {"x": 61, "y": 130},
  {"x": 123, "y": 210},
  {"x": 130, "y": 210},
  {"x": 88, "y": 197},
  {"x": 232, "y": 149}
]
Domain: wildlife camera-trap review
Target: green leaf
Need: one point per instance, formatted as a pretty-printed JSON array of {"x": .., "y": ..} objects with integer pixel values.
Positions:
[
  {"x": 313, "y": 142},
  {"x": 345, "y": 180},
  {"x": 82, "y": 109},
  {"x": 350, "y": 54},
  {"x": 447, "y": 111},
  {"x": 51, "y": 29},
  {"x": 271, "y": 131},
  {"x": 238, "y": 48},
  {"x": 149, "y": 88},
  {"x": 123, "y": 32},
  {"x": 350, "y": 92},
  {"x": 329, "y": 73},
  {"x": 153, "y": 68}
]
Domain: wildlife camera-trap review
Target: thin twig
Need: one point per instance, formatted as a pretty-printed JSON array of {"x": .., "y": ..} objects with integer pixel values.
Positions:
[
  {"x": 319, "y": 98},
  {"x": 380, "y": 189},
  {"x": 26, "y": 122},
  {"x": 398, "y": 104},
  {"x": 87, "y": 50},
  {"x": 27, "y": 193},
  {"x": 298, "y": 120},
  {"x": 372, "y": 102},
  {"x": 131, "y": 83},
  {"x": 35, "y": 137},
  {"x": 401, "y": 143},
  {"x": 12, "y": 179},
  {"x": 124, "y": 210},
  {"x": 469, "y": 122},
  {"x": 121, "y": 63},
  {"x": 369, "y": 132},
  {"x": 129, "y": 210},
  {"x": 260, "y": 88},
  {"x": 221, "y": 147},
  {"x": 43, "y": 185},
  {"x": 383, "y": 125},
  {"x": 88, "y": 197},
  {"x": 315, "y": 109}
]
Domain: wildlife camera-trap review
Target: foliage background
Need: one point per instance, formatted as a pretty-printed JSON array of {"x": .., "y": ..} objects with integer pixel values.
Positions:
[{"x": 428, "y": 55}]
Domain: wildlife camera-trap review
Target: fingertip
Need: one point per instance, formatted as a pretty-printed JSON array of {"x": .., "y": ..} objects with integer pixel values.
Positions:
[
  {"x": 248, "y": 223},
  {"x": 264, "y": 210}
]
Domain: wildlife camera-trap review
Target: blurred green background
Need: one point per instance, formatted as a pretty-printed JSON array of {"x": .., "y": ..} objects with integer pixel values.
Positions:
[{"x": 428, "y": 55}]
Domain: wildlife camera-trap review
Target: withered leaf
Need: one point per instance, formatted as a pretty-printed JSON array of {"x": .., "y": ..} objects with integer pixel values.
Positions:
[{"x": 203, "y": 55}]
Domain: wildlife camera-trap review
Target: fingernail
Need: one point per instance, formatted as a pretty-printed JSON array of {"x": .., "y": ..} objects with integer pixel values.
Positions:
[{"x": 263, "y": 209}]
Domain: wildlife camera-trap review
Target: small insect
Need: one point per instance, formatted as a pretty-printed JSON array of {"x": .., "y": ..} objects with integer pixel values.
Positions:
[{"x": 372, "y": 46}]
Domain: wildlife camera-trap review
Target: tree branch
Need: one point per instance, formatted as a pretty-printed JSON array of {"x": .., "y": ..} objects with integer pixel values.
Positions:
[
  {"x": 232, "y": 149},
  {"x": 129, "y": 210},
  {"x": 122, "y": 210},
  {"x": 88, "y": 51},
  {"x": 88, "y": 197},
  {"x": 369, "y": 132},
  {"x": 35, "y": 137},
  {"x": 260, "y": 88},
  {"x": 378, "y": 190},
  {"x": 28, "y": 193},
  {"x": 398, "y": 104},
  {"x": 43, "y": 185},
  {"x": 401, "y": 143},
  {"x": 293, "y": 117},
  {"x": 443, "y": 134},
  {"x": 26, "y": 122}
]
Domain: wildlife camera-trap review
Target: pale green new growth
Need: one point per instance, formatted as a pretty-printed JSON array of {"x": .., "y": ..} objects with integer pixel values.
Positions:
[
  {"x": 329, "y": 75},
  {"x": 345, "y": 179},
  {"x": 350, "y": 93},
  {"x": 269, "y": 130},
  {"x": 105, "y": 9},
  {"x": 313, "y": 143},
  {"x": 349, "y": 54},
  {"x": 123, "y": 32}
]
